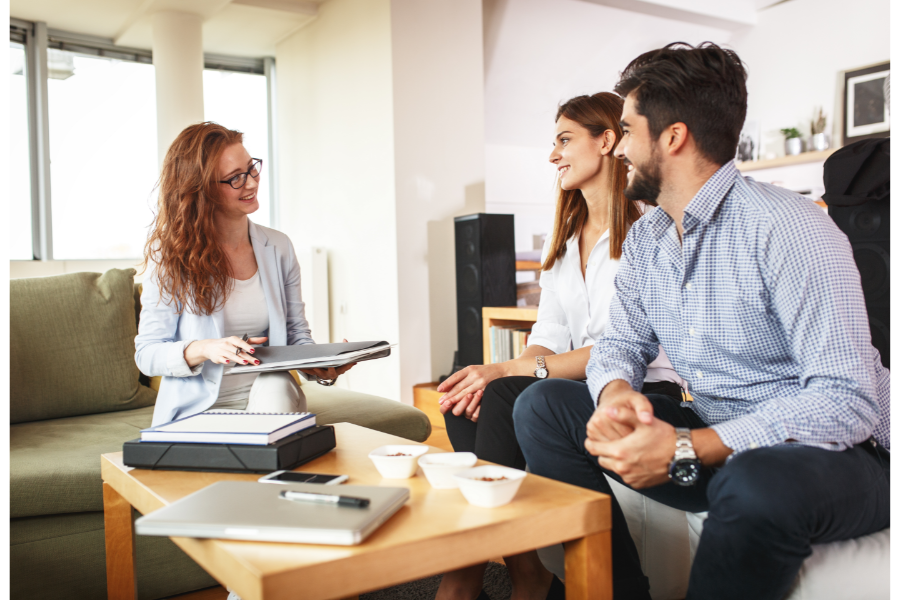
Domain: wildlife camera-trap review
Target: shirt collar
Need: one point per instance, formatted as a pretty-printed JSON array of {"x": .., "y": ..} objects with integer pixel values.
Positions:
[{"x": 703, "y": 205}]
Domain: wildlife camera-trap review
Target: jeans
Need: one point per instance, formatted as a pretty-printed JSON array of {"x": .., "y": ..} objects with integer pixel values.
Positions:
[{"x": 766, "y": 506}]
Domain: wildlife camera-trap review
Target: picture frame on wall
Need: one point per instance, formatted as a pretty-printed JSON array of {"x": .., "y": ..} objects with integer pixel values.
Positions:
[
  {"x": 749, "y": 142},
  {"x": 866, "y": 105}
]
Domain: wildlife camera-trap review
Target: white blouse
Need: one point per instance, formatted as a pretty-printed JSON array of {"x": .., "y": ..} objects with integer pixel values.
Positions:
[
  {"x": 574, "y": 311},
  {"x": 244, "y": 312}
]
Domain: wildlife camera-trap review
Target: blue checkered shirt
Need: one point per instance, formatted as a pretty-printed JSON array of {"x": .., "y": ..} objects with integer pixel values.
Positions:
[{"x": 760, "y": 309}]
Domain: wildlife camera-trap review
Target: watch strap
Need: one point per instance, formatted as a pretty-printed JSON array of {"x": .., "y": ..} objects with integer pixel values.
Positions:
[{"x": 684, "y": 445}]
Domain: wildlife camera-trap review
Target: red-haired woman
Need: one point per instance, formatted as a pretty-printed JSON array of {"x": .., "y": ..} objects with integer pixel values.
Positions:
[
  {"x": 579, "y": 263},
  {"x": 215, "y": 276}
]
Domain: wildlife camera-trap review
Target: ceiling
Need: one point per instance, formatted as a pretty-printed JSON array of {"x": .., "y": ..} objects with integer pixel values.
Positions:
[{"x": 249, "y": 28}]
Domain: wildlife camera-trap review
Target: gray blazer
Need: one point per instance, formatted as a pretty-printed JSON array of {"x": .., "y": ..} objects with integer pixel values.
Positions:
[{"x": 164, "y": 333}]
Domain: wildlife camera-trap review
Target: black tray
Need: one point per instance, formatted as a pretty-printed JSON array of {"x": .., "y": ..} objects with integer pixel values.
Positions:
[{"x": 286, "y": 453}]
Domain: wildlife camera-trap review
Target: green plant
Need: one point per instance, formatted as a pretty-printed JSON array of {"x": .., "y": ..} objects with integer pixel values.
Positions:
[
  {"x": 791, "y": 132},
  {"x": 817, "y": 125}
]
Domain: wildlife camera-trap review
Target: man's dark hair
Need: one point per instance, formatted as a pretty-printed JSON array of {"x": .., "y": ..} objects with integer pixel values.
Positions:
[{"x": 703, "y": 87}]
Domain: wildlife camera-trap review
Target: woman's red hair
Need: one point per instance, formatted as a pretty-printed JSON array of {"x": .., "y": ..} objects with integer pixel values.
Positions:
[
  {"x": 597, "y": 114},
  {"x": 191, "y": 266}
]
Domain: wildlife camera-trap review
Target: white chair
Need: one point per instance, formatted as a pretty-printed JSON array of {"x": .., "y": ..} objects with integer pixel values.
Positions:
[{"x": 667, "y": 538}]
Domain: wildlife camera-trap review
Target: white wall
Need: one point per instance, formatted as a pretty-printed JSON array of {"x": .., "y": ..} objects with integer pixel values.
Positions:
[
  {"x": 793, "y": 56},
  {"x": 335, "y": 115},
  {"x": 438, "y": 83},
  {"x": 538, "y": 54},
  {"x": 381, "y": 129}
]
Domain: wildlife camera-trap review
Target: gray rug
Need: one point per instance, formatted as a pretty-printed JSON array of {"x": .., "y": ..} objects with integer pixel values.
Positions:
[{"x": 496, "y": 584}]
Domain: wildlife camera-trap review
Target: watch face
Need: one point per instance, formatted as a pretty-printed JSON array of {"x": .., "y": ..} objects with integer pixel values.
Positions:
[
  {"x": 541, "y": 373},
  {"x": 685, "y": 471}
]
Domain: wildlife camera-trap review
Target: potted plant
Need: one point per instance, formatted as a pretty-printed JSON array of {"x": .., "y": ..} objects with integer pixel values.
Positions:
[
  {"x": 793, "y": 142},
  {"x": 819, "y": 139}
]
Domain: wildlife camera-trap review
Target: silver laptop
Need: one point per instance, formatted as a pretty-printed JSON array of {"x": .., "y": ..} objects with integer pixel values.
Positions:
[{"x": 237, "y": 510}]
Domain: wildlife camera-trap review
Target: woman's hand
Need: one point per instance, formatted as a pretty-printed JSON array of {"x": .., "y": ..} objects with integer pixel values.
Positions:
[
  {"x": 222, "y": 351},
  {"x": 460, "y": 388},
  {"x": 330, "y": 373}
]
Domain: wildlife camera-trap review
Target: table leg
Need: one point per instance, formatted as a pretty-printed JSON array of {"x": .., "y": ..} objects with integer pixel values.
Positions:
[
  {"x": 589, "y": 567},
  {"x": 119, "y": 530}
]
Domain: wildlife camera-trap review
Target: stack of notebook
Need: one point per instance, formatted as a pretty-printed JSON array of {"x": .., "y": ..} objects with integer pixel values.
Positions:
[{"x": 231, "y": 441}]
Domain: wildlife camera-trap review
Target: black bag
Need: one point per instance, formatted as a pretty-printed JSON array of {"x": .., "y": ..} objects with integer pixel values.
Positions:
[
  {"x": 858, "y": 173},
  {"x": 858, "y": 192}
]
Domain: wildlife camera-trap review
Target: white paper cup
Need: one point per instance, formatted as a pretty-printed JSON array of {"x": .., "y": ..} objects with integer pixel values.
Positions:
[
  {"x": 440, "y": 468},
  {"x": 489, "y": 493},
  {"x": 397, "y": 467}
]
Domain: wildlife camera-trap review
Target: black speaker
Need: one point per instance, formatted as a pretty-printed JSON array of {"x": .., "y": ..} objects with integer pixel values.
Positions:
[
  {"x": 857, "y": 187},
  {"x": 485, "y": 276}
]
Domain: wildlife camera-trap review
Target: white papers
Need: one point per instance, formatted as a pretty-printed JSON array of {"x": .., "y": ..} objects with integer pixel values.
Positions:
[{"x": 230, "y": 428}]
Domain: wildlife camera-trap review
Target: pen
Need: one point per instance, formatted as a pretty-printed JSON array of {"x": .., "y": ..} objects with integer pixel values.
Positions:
[
  {"x": 325, "y": 499},
  {"x": 244, "y": 338}
]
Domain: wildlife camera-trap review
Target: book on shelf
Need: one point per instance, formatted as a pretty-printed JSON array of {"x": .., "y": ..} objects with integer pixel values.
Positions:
[
  {"x": 507, "y": 342},
  {"x": 230, "y": 427}
]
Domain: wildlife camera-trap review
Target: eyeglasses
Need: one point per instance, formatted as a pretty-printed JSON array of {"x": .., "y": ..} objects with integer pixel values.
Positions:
[{"x": 240, "y": 180}]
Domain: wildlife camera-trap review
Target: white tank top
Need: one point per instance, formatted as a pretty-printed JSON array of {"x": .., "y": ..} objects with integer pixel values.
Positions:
[{"x": 244, "y": 312}]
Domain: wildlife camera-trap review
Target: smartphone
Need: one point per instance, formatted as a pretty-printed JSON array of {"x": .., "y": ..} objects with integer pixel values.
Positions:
[{"x": 300, "y": 477}]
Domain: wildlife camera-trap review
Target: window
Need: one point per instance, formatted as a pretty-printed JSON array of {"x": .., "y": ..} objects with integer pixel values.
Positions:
[
  {"x": 96, "y": 144},
  {"x": 238, "y": 101},
  {"x": 103, "y": 159},
  {"x": 19, "y": 158}
]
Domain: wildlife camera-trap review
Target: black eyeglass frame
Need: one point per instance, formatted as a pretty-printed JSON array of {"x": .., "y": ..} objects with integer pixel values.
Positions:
[{"x": 257, "y": 162}]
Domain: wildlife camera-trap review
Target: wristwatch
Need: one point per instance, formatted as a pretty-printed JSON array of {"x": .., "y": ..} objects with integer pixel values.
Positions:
[
  {"x": 541, "y": 372},
  {"x": 685, "y": 467}
]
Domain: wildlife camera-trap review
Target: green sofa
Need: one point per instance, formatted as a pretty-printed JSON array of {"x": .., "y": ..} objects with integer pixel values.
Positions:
[{"x": 75, "y": 393}]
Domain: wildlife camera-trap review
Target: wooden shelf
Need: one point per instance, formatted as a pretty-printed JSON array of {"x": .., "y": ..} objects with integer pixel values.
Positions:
[
  {"x": 504, "y": 316},
  {"x": 528, "y": 265},
  {"x": 785, "y": 161}
]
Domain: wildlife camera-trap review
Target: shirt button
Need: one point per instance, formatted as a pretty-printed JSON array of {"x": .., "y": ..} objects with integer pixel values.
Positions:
[
  {"x": 754, "y": 445},
  {"x": 699, "y": 374},
  {"x": 691, "y": 331},
  {"x": 687, "y": 286}
]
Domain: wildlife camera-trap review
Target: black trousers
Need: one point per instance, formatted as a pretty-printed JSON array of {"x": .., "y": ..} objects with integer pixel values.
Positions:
[
  {"x": 766, "y": 506},
  {"x": 493, "y": 437}
]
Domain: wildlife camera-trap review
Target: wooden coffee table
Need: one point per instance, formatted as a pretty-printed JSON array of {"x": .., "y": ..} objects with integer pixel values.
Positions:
[{"x": 435, "y": 532}]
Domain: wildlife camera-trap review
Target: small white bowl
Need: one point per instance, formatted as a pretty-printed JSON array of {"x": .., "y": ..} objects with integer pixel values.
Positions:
[
  {"x": 489, "y": 493},
  {"x": 397, "y": 467},
  {"x": 440, "y": 468}
]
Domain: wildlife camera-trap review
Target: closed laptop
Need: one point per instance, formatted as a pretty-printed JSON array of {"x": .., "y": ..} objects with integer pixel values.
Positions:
[{"x": 253, "y": 511}]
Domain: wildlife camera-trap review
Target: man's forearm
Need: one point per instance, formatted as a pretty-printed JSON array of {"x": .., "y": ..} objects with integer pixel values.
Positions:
[{"x": 709, "y": 448}]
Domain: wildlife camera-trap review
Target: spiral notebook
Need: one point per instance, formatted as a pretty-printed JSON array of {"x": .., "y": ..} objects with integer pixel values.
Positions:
[{"x": 230, "y": 427}]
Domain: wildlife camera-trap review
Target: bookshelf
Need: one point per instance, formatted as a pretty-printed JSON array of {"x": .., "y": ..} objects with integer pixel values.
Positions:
[
  {"x": 505, "y": 316},
  {"x": 785, "y": 161}
]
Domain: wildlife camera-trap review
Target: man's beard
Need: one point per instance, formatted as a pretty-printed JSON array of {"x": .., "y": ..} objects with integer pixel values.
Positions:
[{"x": 646, "y": 184}]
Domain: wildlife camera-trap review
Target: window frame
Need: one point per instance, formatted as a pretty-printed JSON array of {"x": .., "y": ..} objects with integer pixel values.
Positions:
[{"x": 37, "y": 38}]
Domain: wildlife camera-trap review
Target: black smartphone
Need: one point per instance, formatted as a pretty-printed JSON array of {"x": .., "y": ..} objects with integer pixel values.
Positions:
[{"x": 300, "y": 477}]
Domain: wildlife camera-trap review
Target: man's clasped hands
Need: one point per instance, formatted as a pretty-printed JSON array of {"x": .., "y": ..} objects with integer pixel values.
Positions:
[{"x": 622, "y": 433}]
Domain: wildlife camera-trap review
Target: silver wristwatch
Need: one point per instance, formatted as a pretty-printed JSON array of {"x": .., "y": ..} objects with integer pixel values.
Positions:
[
  {"x": 685, "y": 467},
  {"x": 541, "y": 372}
]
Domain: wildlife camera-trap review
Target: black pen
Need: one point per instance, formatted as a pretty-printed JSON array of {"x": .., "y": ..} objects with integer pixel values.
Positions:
[
  {"x": 352, "y": 501},
  {"x": 244, "y": 338}
]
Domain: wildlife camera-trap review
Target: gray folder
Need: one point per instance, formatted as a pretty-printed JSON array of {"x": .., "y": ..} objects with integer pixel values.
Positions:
[{"x": 238, "y": 510}]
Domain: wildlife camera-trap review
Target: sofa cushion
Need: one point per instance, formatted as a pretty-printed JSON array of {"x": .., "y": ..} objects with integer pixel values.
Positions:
[
  {"x": 64, "y": 557},
  {"x": 47, "y": 457},
  {"x": 74, "y": 340},
  {"x": 338, "y": 405}
]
